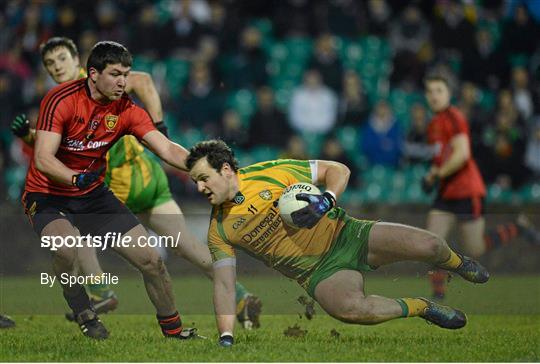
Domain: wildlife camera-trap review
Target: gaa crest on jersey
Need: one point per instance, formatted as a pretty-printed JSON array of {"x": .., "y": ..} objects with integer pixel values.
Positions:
[
  {"x": 239, "y": 198},
  {"x": 110, "y": 122},
  {"x": 265, "y": 195}
]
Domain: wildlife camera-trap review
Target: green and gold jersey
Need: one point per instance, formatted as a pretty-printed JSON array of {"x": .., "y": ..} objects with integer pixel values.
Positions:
[{"x": 252, "y": 221}]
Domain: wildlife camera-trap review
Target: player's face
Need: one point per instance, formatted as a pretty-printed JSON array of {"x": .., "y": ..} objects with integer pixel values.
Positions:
[
  {"x": 216, "y": 186},
  {"x": 111, "y": 82},
  {"x": 437, "y": 95},
  {"x": 61, "y": 65}
]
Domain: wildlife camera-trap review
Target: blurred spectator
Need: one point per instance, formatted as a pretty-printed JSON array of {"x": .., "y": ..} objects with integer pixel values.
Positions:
[
  {"x": 207, "y": 52},
  {"x": 353, "y": 104},
  {"x": 333, "y": 151},
  {"x": 268, "y": 125},
  {"x": 503, "y": 158},
  {"x": 325, "y": 60},
  {"x": 416, "y": 149},
  {"x": 520, "y": 33},
  {"x": 523, "y": 97},
  {"x": 67, "y": 23},
  {"x": 468, "y": 104},
  {"x": 451, "y": 31},
  {"x": 10, "y": 100},
  {"x": 232, "y": 130},
  {"x": 182, "y": 30},
  {"x": 143, "y": 33},
  {"x": 345, "y": 18},
  {"x": 31, "y": 33},
  {"x": 248, "y": 64},
  {"x": 381, "y": 140},
  {"x": 409, "y": 35},
  {"x": 86, "y": 41},
  {"x": 110, "y": 22},
  {"x": 296, "y": 148},
  {"x": 378, "y": 17},
  {"x": 532, "y": 153},
  {"x": 200, "y": 104},
  {"x": 223, "y": 25},
  {"x": 484, "y": 64},
  {"x": 294, "y": 18},
  {"x": 313, "y": 107}
]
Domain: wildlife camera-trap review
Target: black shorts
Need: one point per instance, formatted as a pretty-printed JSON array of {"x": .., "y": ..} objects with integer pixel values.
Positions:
[
  {"x": 465, "y": 209},
  {"x": 94, "y": 213}
]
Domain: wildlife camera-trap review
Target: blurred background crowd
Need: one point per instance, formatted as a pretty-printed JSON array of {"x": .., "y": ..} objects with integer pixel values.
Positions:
[{"x": 331, "y": 79}]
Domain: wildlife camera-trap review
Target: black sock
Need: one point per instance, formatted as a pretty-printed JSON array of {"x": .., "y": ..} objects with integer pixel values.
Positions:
[
  {"x": 170, "y": 325},
  {"x": 79, "y": 302}
]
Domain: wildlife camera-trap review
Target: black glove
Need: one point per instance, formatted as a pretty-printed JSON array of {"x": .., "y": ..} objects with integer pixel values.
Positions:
[
  {"x": 160, "y": 125},
  {"x": 310, "y": 215},
  {"x": 85, "y": 179},
  {"x": 428, "y": 186},
  {"x": 226, "y": 340},
  {"x": 20, "y": 126}
]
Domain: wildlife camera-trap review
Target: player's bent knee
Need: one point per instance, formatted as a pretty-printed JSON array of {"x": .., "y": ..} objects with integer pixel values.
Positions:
[
  {"x": 65, "y": 257},
  {"x": 152, "y": 266}
]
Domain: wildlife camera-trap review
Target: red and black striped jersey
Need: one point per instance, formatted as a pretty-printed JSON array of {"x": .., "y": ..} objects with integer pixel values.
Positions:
[
  {"x": 88, "y": 129},
  {"x": 466, "y": 182}
]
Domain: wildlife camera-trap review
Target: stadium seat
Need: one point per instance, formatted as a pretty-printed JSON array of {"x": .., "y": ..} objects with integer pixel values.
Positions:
[
  {"x": 244, "y": 102},
  {"x": 176, "y": 73}
]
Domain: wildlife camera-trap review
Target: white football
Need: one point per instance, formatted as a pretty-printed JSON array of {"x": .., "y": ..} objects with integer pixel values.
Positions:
[{"x": 288, "y": 202}]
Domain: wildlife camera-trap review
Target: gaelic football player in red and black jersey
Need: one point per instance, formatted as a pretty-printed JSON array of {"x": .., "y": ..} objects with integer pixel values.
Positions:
[
  {"x": 64, "y": 193},
  {"x": 460, "y": 187}
]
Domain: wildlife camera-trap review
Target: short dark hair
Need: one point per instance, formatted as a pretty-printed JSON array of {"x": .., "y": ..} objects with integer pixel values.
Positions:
[
  {"x": 216, "y": 151},
  {"x": 57, "y": 42},
  {"x": 437, "y": 78},
  {"x": 108, "y": 52}
]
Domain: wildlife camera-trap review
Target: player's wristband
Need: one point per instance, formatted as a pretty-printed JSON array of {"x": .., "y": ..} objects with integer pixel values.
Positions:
[
  {"x": 331, "y": 196},
  {"x": 160, "y": 125}
]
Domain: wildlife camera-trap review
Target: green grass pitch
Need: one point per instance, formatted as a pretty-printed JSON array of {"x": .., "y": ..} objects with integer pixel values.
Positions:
[{"x": 504, "y": 325}]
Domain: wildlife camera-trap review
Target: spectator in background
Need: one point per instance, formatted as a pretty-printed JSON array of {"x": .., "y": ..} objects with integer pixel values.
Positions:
[
  {"x": 143, "y": 33},
  {"x": 520, "y": 33},
  {"x": 110, "y": 22},
  {"x": 67, "y": 23},
  {"x": 408, "y": 37},
  {"x": 201, "y": 102},
  {"x": 223, "y": 25},
  {"x": 313, "y": 107},
  {"x": 248, "y": 64},
  {"x": 478, "y": 119},
  {"x": 182, "y": 30},
  {"x": 86, "y": 41},
  {"x": 232, "y": 131},
  {"x": 485, "y": 64},
  {"x": 523, "y": 96},
  {"x": 345, "y": 18},
  {"x": 382, "y": 140},
  {"x": 296, "y": 149},
  {"x": 416, "y": 148},
  {"x": 294, "y": 18},
  {"x": 378, "y": 17},
  {"x": 452, "y": 33},
  {"x": 326, "y": 60},
  {"x": 268, "y": 125},
  {"x": 353, "y": 104},
  {"x": 503, "y": 160},
  {"x": 333, "y": 151},
  {"x": 532, "y": 153},
  {"x": 208, "y": 52}
]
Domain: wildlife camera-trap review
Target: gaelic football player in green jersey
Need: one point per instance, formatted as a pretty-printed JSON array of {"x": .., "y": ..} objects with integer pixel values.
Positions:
[
  {"x": 327, "y": 255},
  {"x": 137, "y": 180}
]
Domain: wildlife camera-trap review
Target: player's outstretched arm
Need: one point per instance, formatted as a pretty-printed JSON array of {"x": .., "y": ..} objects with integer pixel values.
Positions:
[
  {"x": 45, "y": 149},
  {"x": 333, "y": 175},
  {"x": 224, "y": 298},
  {"x": 170, "y": 152},
  {"x": 143, "y": 86}
]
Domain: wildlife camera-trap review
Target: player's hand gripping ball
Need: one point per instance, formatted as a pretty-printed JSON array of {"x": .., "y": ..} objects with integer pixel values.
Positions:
[{"x": 302, "y": 205}]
